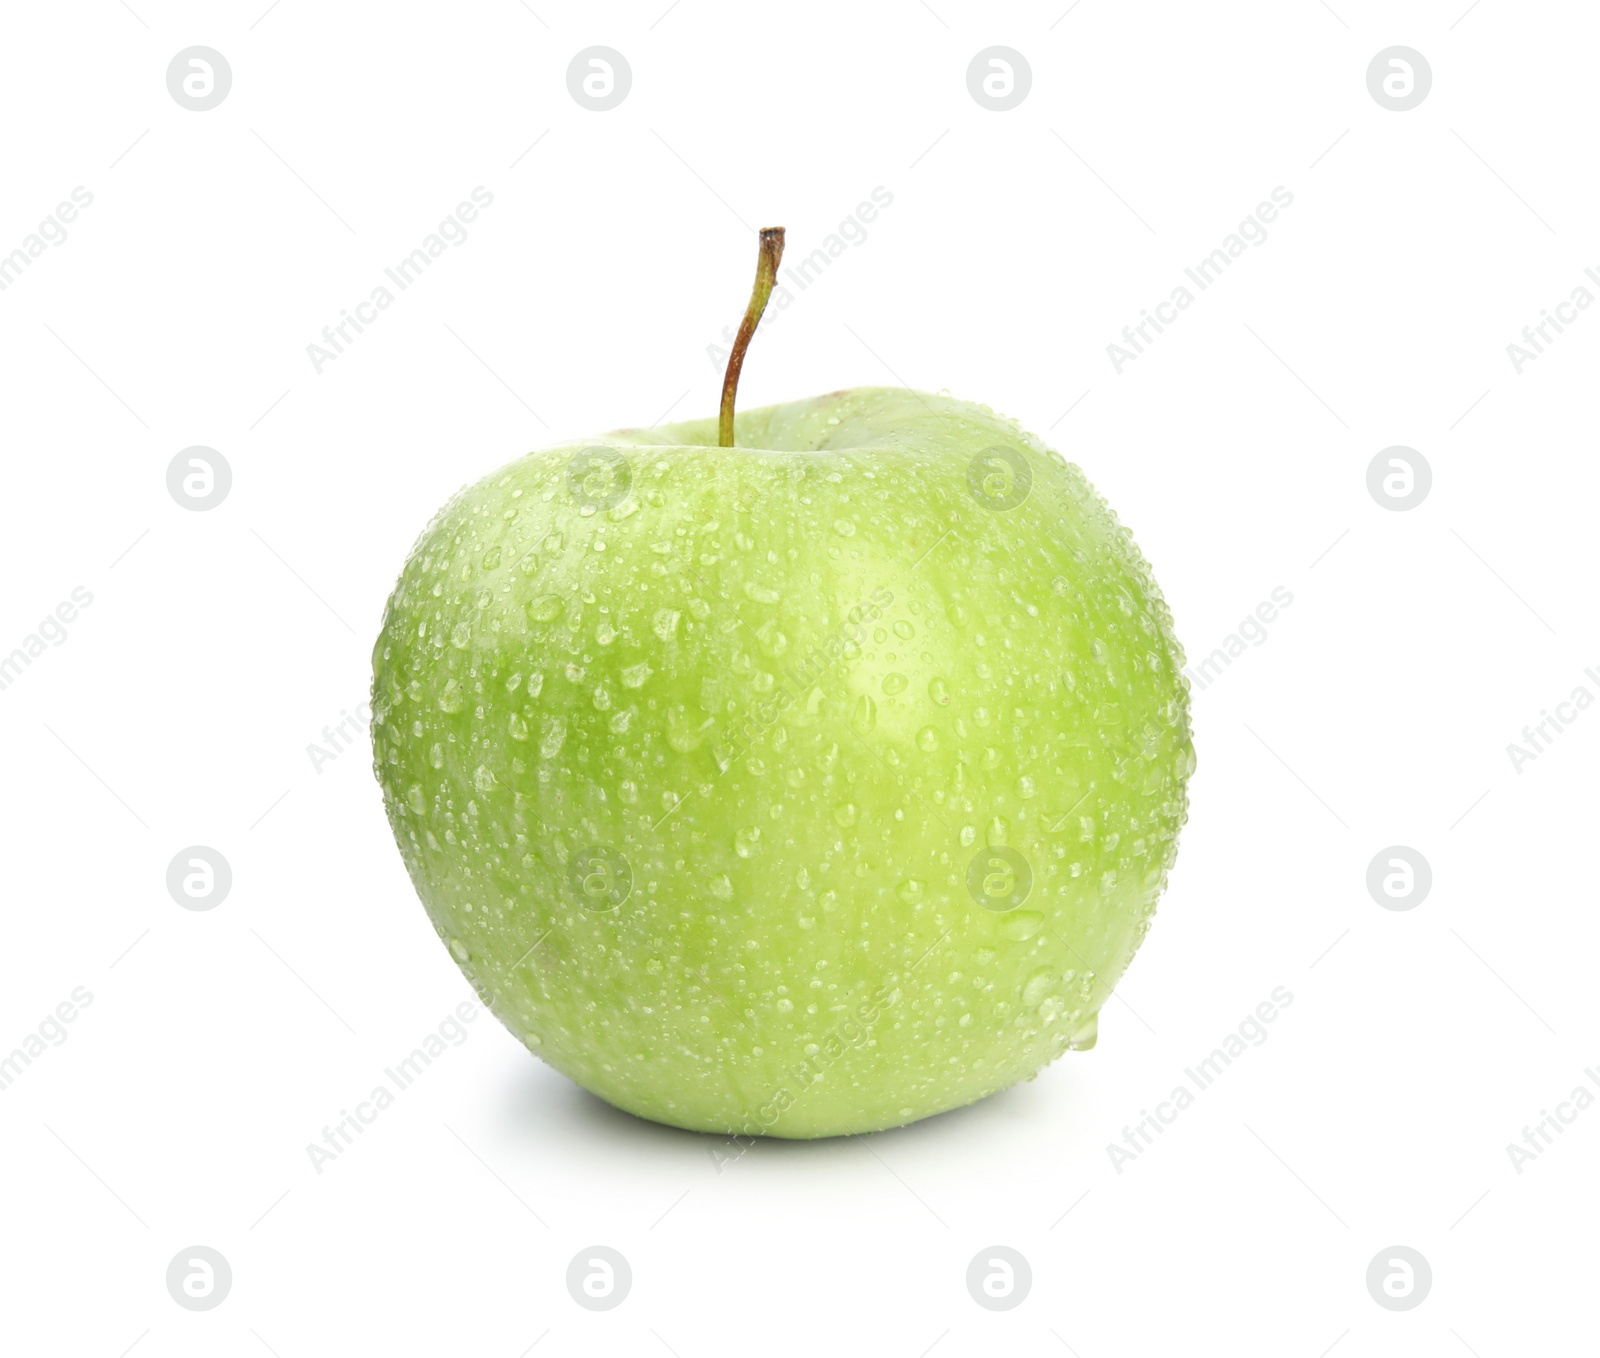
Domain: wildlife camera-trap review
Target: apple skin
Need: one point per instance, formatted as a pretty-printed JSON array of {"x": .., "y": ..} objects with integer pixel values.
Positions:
[{"x": 692, "y": 752}]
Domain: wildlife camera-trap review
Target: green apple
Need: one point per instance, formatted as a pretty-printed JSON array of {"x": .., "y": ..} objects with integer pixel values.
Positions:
[{"x": 806, "y": 786}]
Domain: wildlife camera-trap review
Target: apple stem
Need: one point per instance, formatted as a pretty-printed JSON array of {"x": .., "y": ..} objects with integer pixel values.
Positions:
[{"x": 766, "y": 276}]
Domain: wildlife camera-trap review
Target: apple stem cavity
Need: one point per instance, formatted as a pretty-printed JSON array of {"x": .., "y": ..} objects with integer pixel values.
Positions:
[{"x": 766, "y": 276}]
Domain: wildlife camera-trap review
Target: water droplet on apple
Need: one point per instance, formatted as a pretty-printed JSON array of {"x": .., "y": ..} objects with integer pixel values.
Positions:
[
  {"x": 545, "y": 607},
  {"x": 665, "y": 623},
  {"x": 911, "y": 890},
  {"x": 1086, "y": 1034},
  {"x": 516, "y": 724},
  {"x": 1026, "y": 788},
  {"x": 845, "y": 528},
  {"x": 414, "y": 798},
  {"x": 904, "y": 630},
  {"x": 939, "y": 691},
  {"x": 747, "y": 842},
  {"x": 865, "y": 716},
  {"x": 553, "y": 737},
  {"x": 685, "y": 731},
  {"x": 482, "y": 779},
  {"x": 461, "y": 636},
  {"x": 633, "y": 676},
  {"x": 458, "y": 949},
  {"x": 452, "y": 698},
  {"x": 760, "y": 594},
  {"x": 845, "y": 814},
  {"x": 436, "y": 755},
  {"x": 721, "y": 887},
  {"x": 773, "y": 642},
  {"x": 1036, "y": 987},
  {"x": 927, "y": 740},
  {"x": 1019, "y": 925},
  {"x": 894, "y": 683}
]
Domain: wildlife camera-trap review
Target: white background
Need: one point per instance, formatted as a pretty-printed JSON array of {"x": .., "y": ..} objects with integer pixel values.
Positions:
[{"x": 179, "y": 709}]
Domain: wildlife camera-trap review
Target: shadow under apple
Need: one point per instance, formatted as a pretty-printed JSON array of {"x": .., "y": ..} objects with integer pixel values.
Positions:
[{"x": 539, "y": 1105}]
